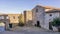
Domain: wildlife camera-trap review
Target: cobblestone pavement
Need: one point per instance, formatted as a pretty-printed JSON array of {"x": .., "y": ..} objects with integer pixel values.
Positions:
[{"x": 29, "y": 30}]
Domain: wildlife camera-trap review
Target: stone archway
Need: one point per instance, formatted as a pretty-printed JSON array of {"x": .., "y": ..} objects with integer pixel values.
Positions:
[
  {"x": 2, "y": 26},
  {"x": 6, "y": 22}
]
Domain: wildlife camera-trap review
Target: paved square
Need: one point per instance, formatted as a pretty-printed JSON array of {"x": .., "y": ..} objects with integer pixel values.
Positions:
[{"x": 29, "y": 30}]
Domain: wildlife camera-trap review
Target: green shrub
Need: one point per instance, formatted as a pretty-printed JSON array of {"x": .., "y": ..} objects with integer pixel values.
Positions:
[
  {"x": 21, "y": 24},
  {"x": 56, "y": 22}
]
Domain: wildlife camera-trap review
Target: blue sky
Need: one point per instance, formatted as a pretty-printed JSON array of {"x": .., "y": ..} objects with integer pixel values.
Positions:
[{"x": 18, "y": 6}]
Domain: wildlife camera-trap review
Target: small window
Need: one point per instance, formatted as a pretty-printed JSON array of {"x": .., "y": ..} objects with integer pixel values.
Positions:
[
  {"x": 2, "y": 17},
  {"x": 36, "y": 10},
  {"x": 7, "y": 17},
  {"x": 14, "y": 17},
  {"x": 18, "y": 16},
  {"x": 50, "y": 14}
]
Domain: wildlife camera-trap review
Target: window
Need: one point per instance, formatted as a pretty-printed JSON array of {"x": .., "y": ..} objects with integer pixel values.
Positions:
[
  {"x": 2, "y": 17},
  {"x": 50, "y": 14},
  {"x": 18, "y": 17},
  {"x": 7, "y": 17},
  {"x": 36, "y": 10},
  {"x": 14, "y": 17}
]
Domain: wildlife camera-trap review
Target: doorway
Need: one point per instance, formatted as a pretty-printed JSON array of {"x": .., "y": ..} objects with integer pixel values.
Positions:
[
  {"x": 50, "y": 26},
  {"x": 38, "y": 24},
  {"x": 10, "y": 25}
]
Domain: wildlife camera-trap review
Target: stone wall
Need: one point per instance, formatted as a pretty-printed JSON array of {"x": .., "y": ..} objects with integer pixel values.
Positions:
[
  {"x": 38, "y": 15},
  {"x": 28, "y": 17}
]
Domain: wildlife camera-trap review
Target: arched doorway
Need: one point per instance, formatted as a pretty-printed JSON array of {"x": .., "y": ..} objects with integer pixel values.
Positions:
[
  {"x": 38, "y": 24},
  {"x": 2, "y": 26}
]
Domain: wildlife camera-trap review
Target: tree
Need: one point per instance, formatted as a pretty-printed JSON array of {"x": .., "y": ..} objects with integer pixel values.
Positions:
[
  {"x": 56, "y": 22},
  {"x": 21, "y": 20}
]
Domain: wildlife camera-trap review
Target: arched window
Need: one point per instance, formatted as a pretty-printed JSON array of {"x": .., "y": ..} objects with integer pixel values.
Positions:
[{"x": 36, "y": 10}]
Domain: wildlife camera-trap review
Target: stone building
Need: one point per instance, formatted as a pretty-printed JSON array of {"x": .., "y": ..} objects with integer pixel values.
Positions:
[
  {"x": 43, "y": 15},
  {"x": 14, "y": 20},
  {"x": 10, "y": 20},
  {"x": 49, "y": 15},
  {"x": 38, "y": 14},
  {"x": 4, "y": 19},
  {"x": 28, "y": 17}
]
